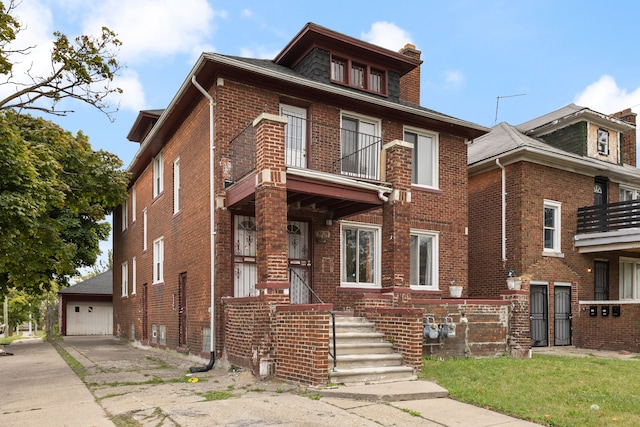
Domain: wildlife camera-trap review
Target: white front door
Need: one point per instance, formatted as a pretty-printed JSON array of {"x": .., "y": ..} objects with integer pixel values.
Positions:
[{"x": 295, "y": 135}]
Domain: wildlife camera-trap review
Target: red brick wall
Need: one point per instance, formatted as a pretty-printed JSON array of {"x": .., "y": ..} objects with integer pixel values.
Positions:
[
  {"x": 302, "y": 343},
  {"x": 629, "y": 137},
  {"x": 608, "y": 333},
  {"x": 402, "y": 327}
]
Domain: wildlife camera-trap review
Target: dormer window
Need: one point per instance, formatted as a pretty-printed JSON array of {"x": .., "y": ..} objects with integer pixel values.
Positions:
[
  {"x": 358, "y": 75},
  {"x": 603, "y": 142}
]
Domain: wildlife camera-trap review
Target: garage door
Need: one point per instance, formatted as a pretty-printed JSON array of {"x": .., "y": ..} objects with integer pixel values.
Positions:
[{"x": 89, "y": 318}]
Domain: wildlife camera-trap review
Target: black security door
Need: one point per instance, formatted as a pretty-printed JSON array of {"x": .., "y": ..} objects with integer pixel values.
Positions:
[
  {"x": 562, "y": 317},
  {"x": 539, "y": 316}
]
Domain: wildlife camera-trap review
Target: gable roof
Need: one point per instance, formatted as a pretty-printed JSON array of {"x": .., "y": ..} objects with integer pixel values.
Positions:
[
  {"x": 101, "y": 284},
  {"x": 567, "y": 115},
  {"x": 507, "y": 144}
]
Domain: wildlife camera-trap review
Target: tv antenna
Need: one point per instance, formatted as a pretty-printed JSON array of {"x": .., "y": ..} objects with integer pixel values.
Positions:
[{"x": 498, "y": 102}]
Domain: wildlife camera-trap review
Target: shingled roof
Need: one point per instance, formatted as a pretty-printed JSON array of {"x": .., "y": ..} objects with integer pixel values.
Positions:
[{"x": 101, "y": 284}]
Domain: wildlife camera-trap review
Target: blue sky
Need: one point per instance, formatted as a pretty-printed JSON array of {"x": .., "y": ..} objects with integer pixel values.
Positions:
[{"x": 554, "y": 52}]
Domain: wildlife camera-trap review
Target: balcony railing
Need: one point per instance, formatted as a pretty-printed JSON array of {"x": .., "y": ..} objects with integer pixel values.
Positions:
[
  {"x": 609, "y": 217},
  {"x": 314, "y": 145}
]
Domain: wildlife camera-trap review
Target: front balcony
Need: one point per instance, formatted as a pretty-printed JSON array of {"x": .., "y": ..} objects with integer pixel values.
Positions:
[
  {"x": 328, "y": 168},
  {"x": 610, "y": 227}
]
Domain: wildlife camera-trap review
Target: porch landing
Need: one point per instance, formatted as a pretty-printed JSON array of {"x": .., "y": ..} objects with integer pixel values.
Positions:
[{"x": 387, "y": 392}]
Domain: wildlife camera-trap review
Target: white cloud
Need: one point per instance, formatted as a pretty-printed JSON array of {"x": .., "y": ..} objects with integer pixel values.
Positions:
[
  {"x": 606, "y": 97},
  {"x": 453, "y": 79},
  {"x": 154, "y": 29},
  {"x": 387, "y": 35},
  {"x": 247, "y": 13},
  {"x": 132, "y": 97}
]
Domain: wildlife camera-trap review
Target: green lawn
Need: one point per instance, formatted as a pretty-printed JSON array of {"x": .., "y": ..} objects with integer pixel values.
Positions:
[{"x": 549, "y": 390}]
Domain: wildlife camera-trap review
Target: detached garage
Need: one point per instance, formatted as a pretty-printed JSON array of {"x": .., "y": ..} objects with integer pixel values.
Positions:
[{"x": 87, "y": 308}]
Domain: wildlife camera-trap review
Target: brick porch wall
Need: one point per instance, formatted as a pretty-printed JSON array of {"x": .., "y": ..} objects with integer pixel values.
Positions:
[
  {"x": 403, "y": 328},
  {"x": 302, "y": 343}
]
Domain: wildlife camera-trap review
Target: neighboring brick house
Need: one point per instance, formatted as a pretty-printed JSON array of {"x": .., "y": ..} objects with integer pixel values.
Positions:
[
  {"x": 331, "y": 186},
  {"x": 567, "y": 225}
]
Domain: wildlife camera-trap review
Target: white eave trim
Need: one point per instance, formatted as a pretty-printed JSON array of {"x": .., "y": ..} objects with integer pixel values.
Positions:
[{"x": 618, "y": 240}]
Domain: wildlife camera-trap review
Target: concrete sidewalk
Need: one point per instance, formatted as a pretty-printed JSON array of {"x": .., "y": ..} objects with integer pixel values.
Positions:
[
  {"x": 38, "y": 388},
  {"x": 152, "y": 387}
]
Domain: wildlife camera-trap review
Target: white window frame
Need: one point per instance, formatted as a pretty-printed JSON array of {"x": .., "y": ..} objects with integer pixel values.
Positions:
[
  {"x": 125, "y": 278},
  {"x": 133, "y": 204},
  {"x": 158, "y": 175},
  {"x": 134, "y": 286},
  {"x": 377, "y": 133},
  {"x": 625, "y": 191},
  {"x": 145, "y": 233},
  {"x": 435, "y": 161},
  {"x": 377, "y": 261},
  {"x": 125, "y": 214},
  {"x": 557, "y": 226},
  {"x": 414, "y": 258},
  {"x": 158, "y": 260},
  {"x": 176, "y": 185},
  {"x": 603, "y": 141},
  {"x": 633, "y": 282}
]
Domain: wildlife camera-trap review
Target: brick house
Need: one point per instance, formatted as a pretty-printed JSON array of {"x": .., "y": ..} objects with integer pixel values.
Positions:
[
  {"x": 553, "y": 202},
  {"x": 270, "y": 194}
]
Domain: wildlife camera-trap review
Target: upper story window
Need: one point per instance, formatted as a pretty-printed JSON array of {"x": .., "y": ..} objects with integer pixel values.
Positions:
[
  {"x": 176, "y": 185},
  {"x": 627, "y": 194},
  {"x": 134, "y": 278},
  {"x": 425, "y": 157},
  {"x": 144, "y": 229},
  {"x": 133, "y": 204},
  {"x": 358, "y": 75},
  {"x": 360, "y": 146},
  {"x": 125, "y": 214},
  {"x": 603, "y": 142},
  {"x": 158, "y": 175},
  {"x": 551, "y": 226}
]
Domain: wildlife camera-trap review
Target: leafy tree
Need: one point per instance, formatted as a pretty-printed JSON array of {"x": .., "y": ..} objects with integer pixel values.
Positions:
[
  {"x": 55, "y": 193},
  {"x": 82, "y": 69}
]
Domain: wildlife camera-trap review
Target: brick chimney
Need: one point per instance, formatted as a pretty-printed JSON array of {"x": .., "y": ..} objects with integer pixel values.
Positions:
[
  {"x": 410, "y": 82},
  {"x": 629, "y": 137}
]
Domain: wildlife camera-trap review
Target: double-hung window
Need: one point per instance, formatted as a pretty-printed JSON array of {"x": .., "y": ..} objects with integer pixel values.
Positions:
[
  {"x": 125, "y": 278},
  {"x": 158, "y": 260},
  {"x": 125, "y": 214},
  {"x": 134, "y": 278},
  {"x": 158, "y": 175},
  {"x": 176, "y": 185},
  {"x": 360, "y": 255},
  {"x": 360, "y": 146},
  {"x": 133, "y": 204},
  {"x": 629, "y": 278},
  {"x": 424, "y": 259},
  {"x": 145, "y": 233},
  {"x": 424, "y": 167},
  {"x": 552, "y": 215}
]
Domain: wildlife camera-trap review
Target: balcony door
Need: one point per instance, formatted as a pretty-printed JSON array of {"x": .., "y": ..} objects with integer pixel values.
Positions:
[
  {"x": 600, "y": 196},
  {"x": 295, "y": 135},
  {"x": 360, "y": 147}
]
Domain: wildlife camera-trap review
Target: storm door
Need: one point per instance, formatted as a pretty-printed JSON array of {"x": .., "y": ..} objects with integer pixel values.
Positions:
[
  {"x": 299, "y": 262},
  {"x": 539, "y": 316},
  {"x": 562, "y": 316},
  {"x": 245, "y": 268},
  {"x": 182, "y": 303}
]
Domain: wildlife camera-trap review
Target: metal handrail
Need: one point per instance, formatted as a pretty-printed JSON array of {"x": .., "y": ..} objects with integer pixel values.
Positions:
[{"x": 333, "y": 316}]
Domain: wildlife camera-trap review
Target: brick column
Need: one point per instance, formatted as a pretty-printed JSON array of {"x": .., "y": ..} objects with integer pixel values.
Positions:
[
  {"x": 396, "y": 218},
  {"x": 271, "y": 204},
  {"x": 519, "y": 335}
]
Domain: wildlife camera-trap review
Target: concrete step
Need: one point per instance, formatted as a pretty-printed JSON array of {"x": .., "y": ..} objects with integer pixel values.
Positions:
[
  {"x": 356, "y": 337},
  {"x": 372, "y": 375},
  {"x": 354, "y": 327},
  {"x": 388, "y": 392},
  {"x": 351, "y": 361},
  {"x": 382, "y": 347}
]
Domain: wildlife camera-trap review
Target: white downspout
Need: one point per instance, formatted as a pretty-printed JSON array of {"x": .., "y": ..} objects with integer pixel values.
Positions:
[
  {"x": 504, "y": 212},
  {"x": 211, "y": 210}
]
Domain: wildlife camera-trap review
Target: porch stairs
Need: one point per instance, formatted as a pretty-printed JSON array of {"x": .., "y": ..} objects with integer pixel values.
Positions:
[{"x": 363, "y": 355}]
